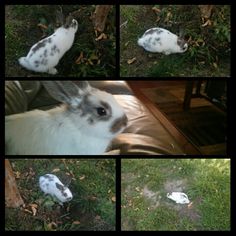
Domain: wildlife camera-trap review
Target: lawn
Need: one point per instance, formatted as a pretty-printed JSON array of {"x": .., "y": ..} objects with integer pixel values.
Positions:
[
  {"x": 87, "y": 56},
  {"x": 209, "y": 46},
  {"x": 146, "y": 182},
  {"x": 92, "y": 185}
]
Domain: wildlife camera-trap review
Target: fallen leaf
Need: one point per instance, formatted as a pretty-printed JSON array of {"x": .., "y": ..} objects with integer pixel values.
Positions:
[
  {"x": 79, "y": 60},
  {"x": 156, "y": 10},
  {"x": 137, "y": 189},
  {"x": 82, "y": 177},
  {"x": 130, "y": 61},
  {"x": 215, "y": 65},
  {"x": 17, "y": 174},
  {"x": 101, "y": 36},
  {"x": 26, "y": 210},
  {"x": 109, "y": 191},
  {"x": 77, "y": 222},
  {"x": 126, "y": 44},
  {"x": 55, "y": 170},
  {"x": 52, "y": 226},
  {"x": 113, "y": 199}
]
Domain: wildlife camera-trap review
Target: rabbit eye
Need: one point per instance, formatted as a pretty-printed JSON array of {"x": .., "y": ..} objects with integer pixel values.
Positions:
[{"x": 101, "y": 111}]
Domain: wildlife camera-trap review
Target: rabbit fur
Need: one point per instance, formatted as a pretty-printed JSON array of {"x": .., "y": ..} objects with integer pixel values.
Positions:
[
  {"x": 162, "y": 41},
  {"x": 45, "y": 55},
  {"x": 84, "y": 125}
]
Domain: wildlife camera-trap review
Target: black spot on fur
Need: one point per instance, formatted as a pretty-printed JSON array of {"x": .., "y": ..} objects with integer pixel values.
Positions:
[
  {"x": 44, "y": 62},
  {"x": 50, "y": 178},
  {"x": 157, "y": 39},
  {"x": 118, "y": 124},
  {"x": 151, "y": 31},
  {"x": 39, "y": 45},
  {"x": 45, "y": 53},
  {"x": 36, "y": 62},
  {"x": 54, "y": 49}
]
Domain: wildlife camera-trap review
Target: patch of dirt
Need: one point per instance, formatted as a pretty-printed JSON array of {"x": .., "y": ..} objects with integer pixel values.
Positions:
[
  {"x": 153, "y": 197},
  {"x": 175, "y": 185}
]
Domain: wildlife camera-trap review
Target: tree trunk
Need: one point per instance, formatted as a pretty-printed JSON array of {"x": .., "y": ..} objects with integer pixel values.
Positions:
[
  {"x": 12, "y": 195},
  {"x": 206, "y": 10},
  {"x": 100, "y": 16}
]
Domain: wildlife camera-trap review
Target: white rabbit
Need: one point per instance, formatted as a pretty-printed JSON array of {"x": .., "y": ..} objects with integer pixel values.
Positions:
[
  {"x": 50, "y": 184},
  {"x": 45, "y": 55},
  {"x": 162, "y": 41},
  {"x": 178, "y": 197},
  {"x": 85, "y": 124}
]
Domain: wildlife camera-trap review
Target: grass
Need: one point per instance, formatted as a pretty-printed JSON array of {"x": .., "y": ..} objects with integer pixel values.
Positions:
[
  {"x": 92, "y": 186},
  {"x": 98, "y": 56},
  {"x": 145, "y": 183},
  {"x": 209, "y": 47}
]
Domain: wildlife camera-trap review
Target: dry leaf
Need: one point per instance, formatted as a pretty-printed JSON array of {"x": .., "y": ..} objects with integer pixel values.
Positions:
[
  {"x": 42, "y": 26},
  {"x": 17, "y": 174},
  {"x": 82, "y": 177},
  {"x": 208, "y": 22},
  {"x": 156, "y": 10},
  {"x": 79, "y": 60},
  {"x": 137, "y": 189},
  {"x": 109, "y": 191},
  {"x": 26, "y": 210},
  {"x": 126, "y": 44},
  {"x": 52, "y": 226},
  {"x": 113, "y": 199},
  {"x": 101, "y": 36},
  {"x": 215, "y": 65},
  {"x": 55, "y": 170},
  {"x": 97, "y": 217},
  {"x": 130, "y": 61},
  {"x": 77, "y": 222}
]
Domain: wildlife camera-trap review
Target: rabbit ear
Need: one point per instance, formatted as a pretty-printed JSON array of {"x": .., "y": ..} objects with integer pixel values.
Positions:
[{"x": 66, "y": 91}]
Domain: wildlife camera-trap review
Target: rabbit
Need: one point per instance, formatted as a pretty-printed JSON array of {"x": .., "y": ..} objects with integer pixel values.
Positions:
[
  {"x": 45, "y": 55},
  {"x": 179, "y": 197},
  {"x": 50, "y": 184},
  {"x": 84, "y": 125},
  {"x": 162, "y": 41}
]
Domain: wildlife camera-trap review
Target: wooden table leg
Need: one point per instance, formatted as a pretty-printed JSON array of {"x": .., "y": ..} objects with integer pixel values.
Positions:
[{"x": 188, "y": 95}]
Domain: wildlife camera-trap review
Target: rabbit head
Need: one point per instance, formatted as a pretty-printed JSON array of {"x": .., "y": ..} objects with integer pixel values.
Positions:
[{"x": 93, "y": 111}]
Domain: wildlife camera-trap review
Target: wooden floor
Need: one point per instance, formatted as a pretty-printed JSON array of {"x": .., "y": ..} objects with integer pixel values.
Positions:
[{"x": 195, "y": 130}]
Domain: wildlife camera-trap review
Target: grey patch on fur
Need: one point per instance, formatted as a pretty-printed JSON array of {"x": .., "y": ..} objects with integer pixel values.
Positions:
[
  {"x": 151, "y": 31},
  {"x": 64, "y": 194},
  {"x": 45, "y": 53},
  {"x": 44, "y": 62},
  {"x": 181, "y": 42},
  {"x": 39, "y": 45},
  {"x": 49, "y": 40},
  {"x": 149, "y": 40},
  {"x": 118, "y": 124},
  {"x": 60, "y": 187},
  {"x": 87, "y": 108},
  {"x": 40, "y": 56},
  {"x": 48, "y": 177},
  {"x": 31, "y": 55},
  {"x": 36, "y": 63},
  {"x": 47, "y": 185},
  {"x": 51, "y": 54},
  {"x": 157, "y": 39},
  {"x": 54, "y": 49},
  {"x": 153, "y": 43}
]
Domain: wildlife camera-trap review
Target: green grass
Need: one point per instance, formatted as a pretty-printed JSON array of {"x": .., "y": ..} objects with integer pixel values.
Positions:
[
  {"x": 21, "y": 24},
  {"x": 205, "y": 181},
  {"x": 93, "y": 187}
]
